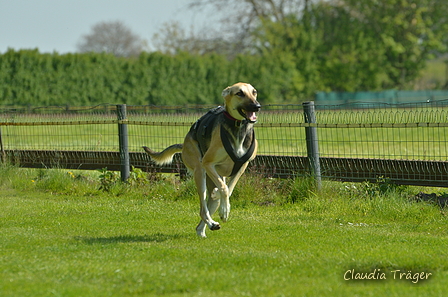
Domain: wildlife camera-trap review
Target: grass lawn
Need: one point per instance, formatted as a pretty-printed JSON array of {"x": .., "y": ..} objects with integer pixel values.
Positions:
[{"x": 67, "y": 238}]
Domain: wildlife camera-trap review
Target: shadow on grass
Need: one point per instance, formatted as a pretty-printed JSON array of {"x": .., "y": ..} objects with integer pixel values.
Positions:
[{"x": 157, "y": 237}]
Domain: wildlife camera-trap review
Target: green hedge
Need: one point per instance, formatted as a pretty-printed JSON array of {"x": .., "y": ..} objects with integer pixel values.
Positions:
[{"x": 28, "y": 77}]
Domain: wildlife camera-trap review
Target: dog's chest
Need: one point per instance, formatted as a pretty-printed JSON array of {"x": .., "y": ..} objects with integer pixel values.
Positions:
[{"x": 239, "y": 148}]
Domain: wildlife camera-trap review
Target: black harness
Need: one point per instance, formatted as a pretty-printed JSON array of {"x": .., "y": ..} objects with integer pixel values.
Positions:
[
  {"x": 229, "y": 149},
  {"x": 201, "y": 131}
]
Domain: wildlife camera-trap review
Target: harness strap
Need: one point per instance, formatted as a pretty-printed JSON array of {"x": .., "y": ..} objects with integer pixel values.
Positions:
[
  {"x": 202, "y": 128},
  {"x": 229, "y": 149}
]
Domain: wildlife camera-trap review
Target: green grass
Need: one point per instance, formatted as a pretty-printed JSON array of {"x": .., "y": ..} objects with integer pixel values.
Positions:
[{"x": 62, "y": 236}]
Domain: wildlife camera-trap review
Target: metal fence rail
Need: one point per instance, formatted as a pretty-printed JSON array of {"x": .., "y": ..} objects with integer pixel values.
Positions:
[{"x": 406, "y": 143}]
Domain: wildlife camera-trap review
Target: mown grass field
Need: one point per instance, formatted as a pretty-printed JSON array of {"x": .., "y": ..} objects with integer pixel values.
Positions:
[{"x": 63, "y": 236}]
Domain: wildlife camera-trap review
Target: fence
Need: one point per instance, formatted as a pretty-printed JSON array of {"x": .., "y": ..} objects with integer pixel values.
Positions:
[
  {"x": 388, "y": 96},
  {"x": 405, "y": 143}
]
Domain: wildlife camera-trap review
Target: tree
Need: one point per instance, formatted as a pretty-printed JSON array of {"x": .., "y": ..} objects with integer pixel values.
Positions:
[
  {"x": 242, "y": 18},
  {"x": 408, "y": 31},
  {"x": 173, "y": 39},
  {"x": 344, "y": 45},
  {"x": 111, "y": 37}
]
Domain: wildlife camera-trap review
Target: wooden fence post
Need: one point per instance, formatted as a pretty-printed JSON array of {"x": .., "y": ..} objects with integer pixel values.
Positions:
[
  {"x": 312, "y": 145},
  {"x": 123, "y": 142}
]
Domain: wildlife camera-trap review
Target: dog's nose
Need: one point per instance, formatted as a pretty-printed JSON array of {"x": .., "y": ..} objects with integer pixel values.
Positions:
[{"x": 255, "y": 106}]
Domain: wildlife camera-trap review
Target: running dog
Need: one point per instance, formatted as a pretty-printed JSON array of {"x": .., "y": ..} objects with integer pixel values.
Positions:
[{"x": 219, "y": 145}]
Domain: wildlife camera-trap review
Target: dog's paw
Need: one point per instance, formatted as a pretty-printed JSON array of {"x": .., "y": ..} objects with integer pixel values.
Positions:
[
  {"x": 201, "y": 234},
  {"x": 224, "y": 212},
  {"x": 215, "y": 226},
  {"x": 200, "y": 229}
]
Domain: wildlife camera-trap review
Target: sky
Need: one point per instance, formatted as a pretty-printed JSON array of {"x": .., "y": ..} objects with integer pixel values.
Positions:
[{"x": 58, "y": 25}]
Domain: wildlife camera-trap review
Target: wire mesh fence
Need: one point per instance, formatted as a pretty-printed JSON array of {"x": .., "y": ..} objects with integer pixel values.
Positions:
[
  {"x": 360, "y": 141},
  {"x": 414, "y": 131}
]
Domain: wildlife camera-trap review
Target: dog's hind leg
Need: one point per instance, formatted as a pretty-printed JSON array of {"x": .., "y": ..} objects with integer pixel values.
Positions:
[
  {"x": 191, "y": 155},
  {"x": 212, "y": 205},
  {"x": 200, "y": 229},
  {"x": 200, "y": 177},
  {"x": 213, "y": 200}
]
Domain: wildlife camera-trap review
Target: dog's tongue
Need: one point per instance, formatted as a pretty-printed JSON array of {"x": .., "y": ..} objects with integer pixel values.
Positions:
[{"x": 250, "y": 115}]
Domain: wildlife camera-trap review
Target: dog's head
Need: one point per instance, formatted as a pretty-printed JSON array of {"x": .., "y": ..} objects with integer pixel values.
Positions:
[{"x": 241, "y": 101}]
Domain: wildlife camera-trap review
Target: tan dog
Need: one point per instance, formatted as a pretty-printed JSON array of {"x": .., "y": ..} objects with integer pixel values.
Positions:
[{"x": 219, "y": 145}]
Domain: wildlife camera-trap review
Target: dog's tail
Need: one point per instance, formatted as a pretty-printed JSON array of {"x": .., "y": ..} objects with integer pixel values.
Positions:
[{"x": 165, "y": 156}]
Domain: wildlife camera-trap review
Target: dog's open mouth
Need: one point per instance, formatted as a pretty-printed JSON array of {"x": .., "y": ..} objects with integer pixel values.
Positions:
[{"x": 248, "y": 115}]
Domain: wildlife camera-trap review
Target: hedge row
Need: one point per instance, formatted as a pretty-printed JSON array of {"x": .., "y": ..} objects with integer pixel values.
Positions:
[{"x": 28, "y": 77}]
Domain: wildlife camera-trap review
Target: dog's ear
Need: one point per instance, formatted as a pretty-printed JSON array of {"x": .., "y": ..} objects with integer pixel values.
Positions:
[{"x": 226, "y": 92}]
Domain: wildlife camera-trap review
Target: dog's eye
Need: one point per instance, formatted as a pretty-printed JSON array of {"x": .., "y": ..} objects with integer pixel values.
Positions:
[
  {"x": 255, "y": 92},
  {"x": 240, "y": 94}
]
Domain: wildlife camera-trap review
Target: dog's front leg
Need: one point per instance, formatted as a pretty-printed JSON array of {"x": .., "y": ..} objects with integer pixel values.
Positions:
[
  {"x": 224, "y": 210},
  {"x": 224, "y": 201},
  {"x": 234, "y": 179},
  {"x": 200, "y": 180}
]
